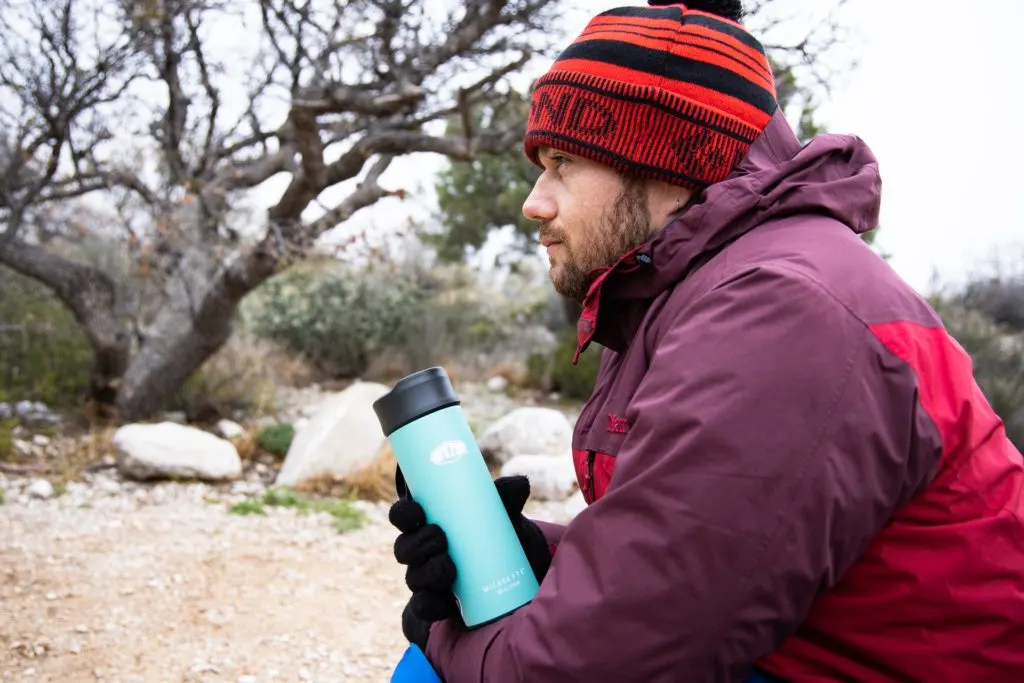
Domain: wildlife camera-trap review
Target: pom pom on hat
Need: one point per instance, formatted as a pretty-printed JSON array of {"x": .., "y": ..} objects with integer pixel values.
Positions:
[{"x": 728, "y": 9}]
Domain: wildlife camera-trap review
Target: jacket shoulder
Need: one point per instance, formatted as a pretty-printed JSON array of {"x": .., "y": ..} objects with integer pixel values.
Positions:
[{"x": 830, "y": 256}]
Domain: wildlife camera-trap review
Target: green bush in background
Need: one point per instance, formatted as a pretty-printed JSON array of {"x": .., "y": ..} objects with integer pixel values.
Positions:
[
  {"x": 44, "y": 355},
  {"x": 343, "y": 320},
  {"x": 555, "y": 372},
  {"x": 276, "y": 439},
  {"x": 336, "y": 321}
]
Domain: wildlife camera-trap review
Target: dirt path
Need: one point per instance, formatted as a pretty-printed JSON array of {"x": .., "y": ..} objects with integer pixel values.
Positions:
[
  {"x": 122, "y": 582},
  {"x": 128, "y": 583},
  {"x": 130, "y": 589}
]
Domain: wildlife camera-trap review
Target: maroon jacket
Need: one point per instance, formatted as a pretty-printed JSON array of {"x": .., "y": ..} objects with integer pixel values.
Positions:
[{"x": 787, "y": 459}]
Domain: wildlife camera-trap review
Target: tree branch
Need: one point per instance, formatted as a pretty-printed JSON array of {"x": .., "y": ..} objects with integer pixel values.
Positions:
[
  {"x": 367, "y": 193},
  {"x": 88, "y": 292}
]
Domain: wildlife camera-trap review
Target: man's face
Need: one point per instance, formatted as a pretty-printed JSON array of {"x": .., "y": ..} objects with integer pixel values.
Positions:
[{"x": 589, "y": 217}]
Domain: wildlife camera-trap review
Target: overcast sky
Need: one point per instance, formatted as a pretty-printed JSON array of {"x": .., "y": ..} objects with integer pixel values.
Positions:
[{"x": 937, "y": 97}]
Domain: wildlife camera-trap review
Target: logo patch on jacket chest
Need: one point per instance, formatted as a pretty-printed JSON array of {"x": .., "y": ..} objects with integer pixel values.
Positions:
[{"x": 617, "y": 425}]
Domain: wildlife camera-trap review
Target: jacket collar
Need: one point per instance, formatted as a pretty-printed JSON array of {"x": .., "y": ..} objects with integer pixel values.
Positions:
[{"x": 833, "y": 175}]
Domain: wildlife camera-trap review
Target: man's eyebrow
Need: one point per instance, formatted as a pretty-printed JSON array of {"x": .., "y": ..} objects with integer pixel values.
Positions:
[{"x": 544, "y": 152}]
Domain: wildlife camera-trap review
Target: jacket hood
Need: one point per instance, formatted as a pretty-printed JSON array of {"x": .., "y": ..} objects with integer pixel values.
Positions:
[{"x": 833, "y": 175}]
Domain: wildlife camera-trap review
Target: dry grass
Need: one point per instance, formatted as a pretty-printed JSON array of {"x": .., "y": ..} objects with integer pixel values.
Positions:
[
  {"x": 243, "y": 374},
  {"x": 375, "y": 482},
  {"x": 245, "y": 445}
]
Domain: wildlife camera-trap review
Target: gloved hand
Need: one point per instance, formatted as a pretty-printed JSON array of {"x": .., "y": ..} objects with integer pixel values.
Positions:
[{"x": 430, "y": 573}]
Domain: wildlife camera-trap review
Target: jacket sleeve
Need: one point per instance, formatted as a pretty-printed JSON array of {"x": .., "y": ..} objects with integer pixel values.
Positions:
[{"x": 767, "y": 448}]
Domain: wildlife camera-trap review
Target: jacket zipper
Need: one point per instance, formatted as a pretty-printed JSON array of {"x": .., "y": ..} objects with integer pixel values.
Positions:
[{"x": 590, "y": 476}]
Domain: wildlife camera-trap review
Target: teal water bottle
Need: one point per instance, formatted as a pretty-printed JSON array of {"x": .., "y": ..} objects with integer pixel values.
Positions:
[{"x": 446, "y": 474}]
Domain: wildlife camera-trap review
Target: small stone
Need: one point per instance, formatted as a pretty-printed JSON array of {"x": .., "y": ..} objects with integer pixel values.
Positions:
[
  {"x": 230, "y": 429},
  {"x": 497, "y": 384},
  {"x": 51, "y": 596},
  {"x": 246, "y": 679},
  {"x": 75, "y": 648},
  {"x": 40, "y": 488},
  {"x": 81, "y": 628}
]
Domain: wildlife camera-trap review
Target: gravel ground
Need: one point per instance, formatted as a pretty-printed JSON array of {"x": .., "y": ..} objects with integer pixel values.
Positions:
[
  {"x": 118, "y": 581},
  {"x": 169, "y": 587}
]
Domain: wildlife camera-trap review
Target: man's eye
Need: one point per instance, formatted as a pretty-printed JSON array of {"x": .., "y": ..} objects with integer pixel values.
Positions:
[{"x": 559, "y": 159}]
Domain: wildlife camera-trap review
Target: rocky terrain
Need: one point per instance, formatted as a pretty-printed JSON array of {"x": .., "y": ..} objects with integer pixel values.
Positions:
[{"x": 109, "y": 579}]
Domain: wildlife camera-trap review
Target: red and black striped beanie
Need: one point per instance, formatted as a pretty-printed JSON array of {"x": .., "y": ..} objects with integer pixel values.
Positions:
[{"x": 668, "y": 92}]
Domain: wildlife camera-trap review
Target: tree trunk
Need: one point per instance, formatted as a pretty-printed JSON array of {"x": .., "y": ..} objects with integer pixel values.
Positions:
[
  {"x": 176, "y": 346},
  {"x": 190, "y": 326},
  {"x": 189, "y": 329}
]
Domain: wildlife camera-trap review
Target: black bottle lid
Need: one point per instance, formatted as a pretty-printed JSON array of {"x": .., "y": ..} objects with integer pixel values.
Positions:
[{"x": 414, "y": 396}]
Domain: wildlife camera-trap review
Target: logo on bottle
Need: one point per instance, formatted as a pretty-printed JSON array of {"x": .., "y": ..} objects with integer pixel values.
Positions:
[{"x": 448, "y": 452}]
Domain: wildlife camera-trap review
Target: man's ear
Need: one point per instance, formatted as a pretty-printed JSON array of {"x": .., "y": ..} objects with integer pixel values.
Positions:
[{"x": 665, "y": 201}]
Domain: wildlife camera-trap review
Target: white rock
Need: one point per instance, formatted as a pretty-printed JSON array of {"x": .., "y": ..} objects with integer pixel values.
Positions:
[
  {"x": 527, "y": 431},
  {"x": 343, "y": 436},
  {"x": 230, "y": 429},
  {"x": 40, "y": 440},
  {"x": 167, "y": 449},
  {"x": 40, "y": 488},
  {"x": 551, "y": 478},
  {"x": 497, "y": 384}
]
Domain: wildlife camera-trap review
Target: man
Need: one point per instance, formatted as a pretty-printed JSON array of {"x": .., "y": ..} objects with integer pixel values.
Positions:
[{"x": 789, "y": 468}]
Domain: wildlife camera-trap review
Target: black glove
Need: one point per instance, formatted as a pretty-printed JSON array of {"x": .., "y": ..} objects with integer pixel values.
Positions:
[{"x": 430, "y": 572}]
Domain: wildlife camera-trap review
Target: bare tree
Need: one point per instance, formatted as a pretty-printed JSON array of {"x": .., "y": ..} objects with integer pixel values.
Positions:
[{"x": 136, "y": 101}]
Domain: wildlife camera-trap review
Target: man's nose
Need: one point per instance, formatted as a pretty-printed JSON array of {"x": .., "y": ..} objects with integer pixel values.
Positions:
[{"x": 538, "y": 206}]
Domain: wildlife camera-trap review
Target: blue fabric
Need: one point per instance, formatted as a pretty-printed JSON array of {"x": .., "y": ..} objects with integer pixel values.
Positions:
[{"x": 414, "y": 667}]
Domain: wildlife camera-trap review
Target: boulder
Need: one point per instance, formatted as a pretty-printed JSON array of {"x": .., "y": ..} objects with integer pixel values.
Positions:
[
  {"x": 530, "y": 430},
  {"x": 342, "y": 437},
  {"x": 166, "y": 450},
  {"x": 551, "y": 478}
]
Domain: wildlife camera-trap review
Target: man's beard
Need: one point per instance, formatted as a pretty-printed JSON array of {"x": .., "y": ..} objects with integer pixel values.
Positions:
[{"x": 626, "y": 226}]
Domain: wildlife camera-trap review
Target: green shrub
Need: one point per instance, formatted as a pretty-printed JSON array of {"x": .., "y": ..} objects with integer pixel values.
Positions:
[
  {"x": 338, "y": 321},
  {"x": 276, "y": 439},
  {"x": 44, "y": 355},
  {"x": 538, "y": 370},
  {"x": 555, "y": 372},
  {"x": 574, "y": 381}
]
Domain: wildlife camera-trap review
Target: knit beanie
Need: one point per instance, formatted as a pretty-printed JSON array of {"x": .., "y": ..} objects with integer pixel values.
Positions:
[{"x": 668, "y": 91}]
